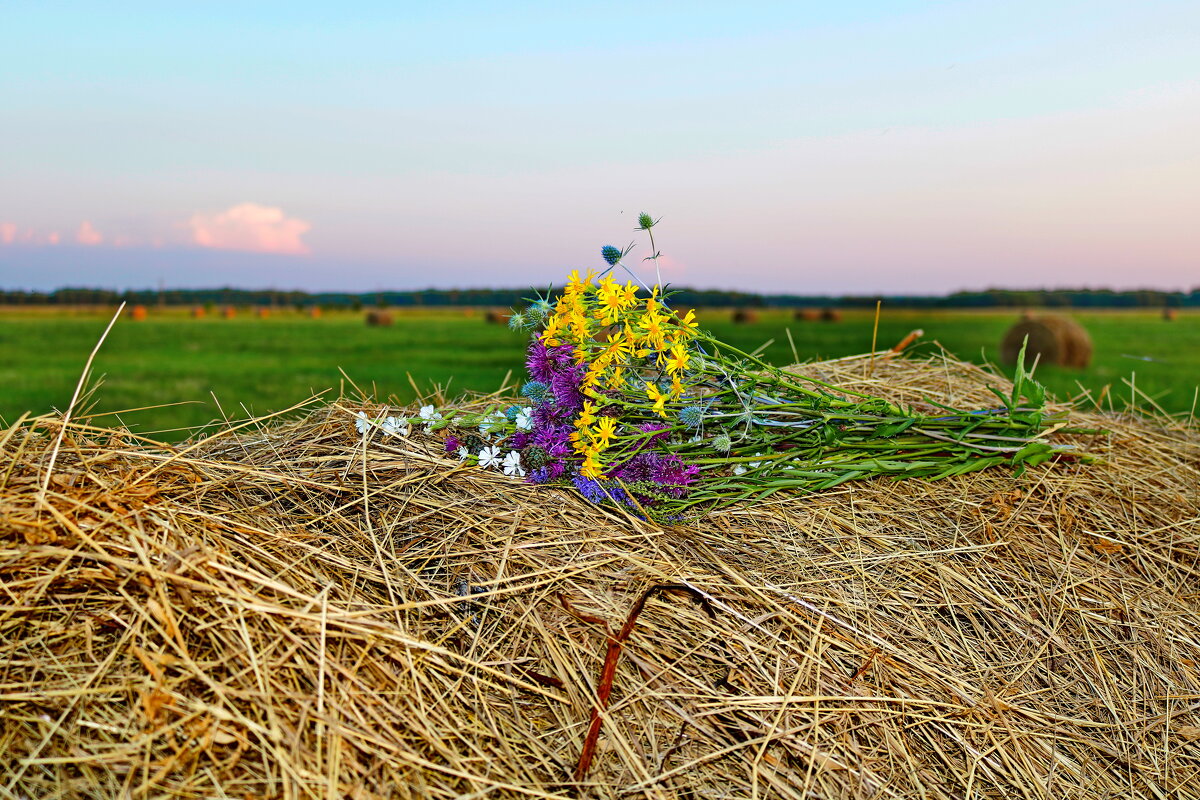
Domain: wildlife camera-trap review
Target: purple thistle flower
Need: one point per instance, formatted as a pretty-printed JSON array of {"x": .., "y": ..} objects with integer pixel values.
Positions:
[
  {"x": 653, "y": 427},
  {"x": 538, "y": 361},
  {"x": 452, "y": 445},
  {"x": 519, "y": 441}
]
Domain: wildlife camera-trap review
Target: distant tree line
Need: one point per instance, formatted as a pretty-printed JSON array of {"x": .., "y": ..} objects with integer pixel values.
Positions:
[{"x": 512, "y": 298}]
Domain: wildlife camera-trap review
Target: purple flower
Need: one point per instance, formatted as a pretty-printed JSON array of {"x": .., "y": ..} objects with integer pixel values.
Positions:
[
  {"x": 653, "y": 427},
  {"x": 519, "y": 441},
  {"x": 452, "y": 445},
  {"x": 538, "y": 361}
]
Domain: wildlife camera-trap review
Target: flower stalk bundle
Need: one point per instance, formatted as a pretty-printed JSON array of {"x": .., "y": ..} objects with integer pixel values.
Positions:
[{"x": 634, "y": 404}]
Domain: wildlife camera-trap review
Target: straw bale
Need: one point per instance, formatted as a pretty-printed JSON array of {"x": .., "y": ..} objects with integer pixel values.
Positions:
[
  {"x": 290, "y": 609},
  {"x": 1169, "y": 314},
  {"x": 138, "y": 313},
  {"x": 197, "y": 312},
  {"x": 831, "y": 315},
  {"x": 379, "y": 318},
  {"x": 496, "y": 316},
  {"x": 806, "y": 315},
  {"x": 228, "y": 312},
  {"x": 1052, "y": 339},
  {"x": 745, "y": 316}
]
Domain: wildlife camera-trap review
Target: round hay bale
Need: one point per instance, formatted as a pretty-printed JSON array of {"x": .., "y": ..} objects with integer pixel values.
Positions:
[
  {"x": 1019, "y": 624},
  {"x": 138, "y": 313},
  {"x": 831, "y": 315},
  {"x": 1052, "y": 340},
  {"x": 262, "y": 313},
  {"x": 495, "y": 316},
  {"x": 228, "y": 312},
  {"x": 314, "y": 312},
  {"x": 1169, "y": 314},
  {"x": 377, "y": 319},
  {"x": 197, "y": 312},
  {"x": 807, "y": 315},
  {"x": 745, "y": 316}
]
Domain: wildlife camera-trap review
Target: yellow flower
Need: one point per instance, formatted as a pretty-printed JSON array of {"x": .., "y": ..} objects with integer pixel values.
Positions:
[
  {"x": 678, "y": 359},
  {"x": 553, "y": 326},
  {"x": 587, "y": 416},
  {"x": 616, "y": 378},
  {"x": 688, "y": 324},
  {"x": 605, "y": 431},
  {"x": 676, "y": 386},
  {"x": 610, "y": 304},
  {"x": 591, "y": 466},
  {"x": 628, "y": 295},
  {"x": 657, "y": 397}
]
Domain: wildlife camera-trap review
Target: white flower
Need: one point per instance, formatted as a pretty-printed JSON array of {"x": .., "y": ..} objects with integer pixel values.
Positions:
[
  {"x": 738, "y": 469},
  {"x": 755, "y": 464},
  {"x": 463, "y": 453},
  {"x": 362, "y": 423},
  {"x": 489, "y": 457},
  {"x": 512, "y": 464},
  {"x": 430, "y": 414},
  {"x": 396, "y": 426},
  {"x": 525, "y": 419}
]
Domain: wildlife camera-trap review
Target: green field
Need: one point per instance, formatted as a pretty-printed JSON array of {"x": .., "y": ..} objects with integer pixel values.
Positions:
[{"x": 255, "y": 366}]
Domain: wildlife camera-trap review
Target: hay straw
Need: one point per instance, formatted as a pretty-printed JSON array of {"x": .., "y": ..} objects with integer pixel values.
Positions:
[{"x": 286, "y": 610}]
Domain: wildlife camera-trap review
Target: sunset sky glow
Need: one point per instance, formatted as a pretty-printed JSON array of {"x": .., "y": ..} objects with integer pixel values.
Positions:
[{"x": 788, "y": 147}]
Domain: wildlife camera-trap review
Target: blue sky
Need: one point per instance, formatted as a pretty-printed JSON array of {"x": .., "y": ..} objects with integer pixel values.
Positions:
[{"x": 788, "y": 147}]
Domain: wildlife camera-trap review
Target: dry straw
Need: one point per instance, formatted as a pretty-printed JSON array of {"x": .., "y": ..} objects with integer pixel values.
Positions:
[{"x": 287, "y": 609}]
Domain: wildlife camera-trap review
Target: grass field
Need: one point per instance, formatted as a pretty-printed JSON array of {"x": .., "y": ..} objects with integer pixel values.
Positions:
[{"x": 255, "y": 366}]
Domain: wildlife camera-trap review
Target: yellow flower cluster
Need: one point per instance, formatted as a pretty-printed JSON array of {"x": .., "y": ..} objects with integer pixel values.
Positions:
[{"x": 623, "y": 339}]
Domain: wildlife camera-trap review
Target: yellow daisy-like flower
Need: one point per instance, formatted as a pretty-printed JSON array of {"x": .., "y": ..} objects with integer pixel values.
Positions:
[
  {"x": 676, "y": 386},
  {"x": 610, "y": 304},
  {"x": 606, "y": 429},
  {"x": 657, "y": 397},
  {"x": 551, "y": 333},
  {"x": 688, "y": 324},
  {"x": 587, "y": 416},
  {"x": 628, "y": 295},
  {"x": 678, "y": 359},
  {"x": 591, "y": 467},
  {"x": 616, "y": 378}
]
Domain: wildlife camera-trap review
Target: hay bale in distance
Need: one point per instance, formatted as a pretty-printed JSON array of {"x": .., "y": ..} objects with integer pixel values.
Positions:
[
  {"x": 138, "y": 313},
  {"x": 1169, "y": 314},
  {"x": 745, "y": 316},
  {"x": 228, "y": 312},
  {"x": 1052, "y": 339},
  {"x": 197, "y": 312},
  {"x": 379, "y": 319},
  {"x": 806, "y": 315},
  {"x": 250, "y": 620},
  {"x": 831, "y": 315},
  {"x": 314, "y": 312},
  {"x": 495, "y": 316}
]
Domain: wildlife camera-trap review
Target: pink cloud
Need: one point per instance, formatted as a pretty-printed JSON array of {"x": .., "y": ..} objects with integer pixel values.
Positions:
[
  {"x": 249, "y": 226},
  {"x": 8, "y": 232},
  {"x": 53, "y": 238},
  {"x": 88, "y": 235}
]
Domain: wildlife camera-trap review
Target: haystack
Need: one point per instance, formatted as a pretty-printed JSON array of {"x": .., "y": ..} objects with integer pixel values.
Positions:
[
  {"x": 806, "y": 315},
  {"x": 1052, "y": 339},
  {"x": 496, "y": 316},
  {"x": 379, "y": 318},
  {"x": 831, "y": 315},
  {"x": 290, "y": 609},
  {"x": 745, "y": 316}
]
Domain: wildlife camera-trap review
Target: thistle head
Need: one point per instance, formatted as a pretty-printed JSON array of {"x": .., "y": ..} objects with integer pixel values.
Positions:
[
  {"x": 536, "y": 391},
  {"x": 692, "y": 416},
  {"x": 518, "y": 321},
  {"x": 722, "y": 443},
  {"x": 540, "y": 310},
  {"x": 611, "y": 254},
  {"x": 645, "y": 222}
]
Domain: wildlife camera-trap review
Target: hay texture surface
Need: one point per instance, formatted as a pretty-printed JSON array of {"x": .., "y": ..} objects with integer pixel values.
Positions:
[{"x": 288, "y": 610}]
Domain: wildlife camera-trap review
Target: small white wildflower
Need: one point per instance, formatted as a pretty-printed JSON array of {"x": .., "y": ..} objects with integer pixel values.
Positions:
[
  {"x": 362, "y": 423},
  {"x": 695, "y": 439},
  {"x": 489, "y": 457},
  {"x": 430, "y": 414},
  {"x": 755, "y": 464},
  {"x": 512, "y": 464},
  {"x": 463, "y": 453},
  {"x": 396, "y": 426},
  {"x": 739, "y": 469},
  {"x": 525, "y": 419}
]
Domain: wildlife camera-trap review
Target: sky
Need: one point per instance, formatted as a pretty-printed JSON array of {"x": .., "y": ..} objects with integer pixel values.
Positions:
[{"x": 796, "y": 147}]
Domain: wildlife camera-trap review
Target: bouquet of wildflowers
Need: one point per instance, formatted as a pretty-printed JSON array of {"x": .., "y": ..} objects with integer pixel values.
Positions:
[{"x": 633, "y": 404}]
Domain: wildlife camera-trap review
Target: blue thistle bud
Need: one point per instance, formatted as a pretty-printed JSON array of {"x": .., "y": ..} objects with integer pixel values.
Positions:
[
  {"x": 540, "y": 311},
  {"x": 721, "y": 443},
  {"x": 517, "y": 321},
  {"x": 645, "y": 223},
  {"x": 692, "y": 416},
  {"x": 611, "y": 254},
  {"x": 536, "y": 391},
  {"x": 511, "y": 412}
]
